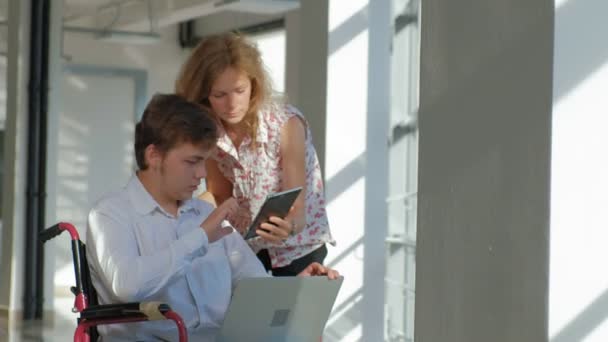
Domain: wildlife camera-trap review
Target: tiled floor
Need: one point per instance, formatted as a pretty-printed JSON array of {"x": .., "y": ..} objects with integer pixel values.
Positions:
[{"x": 62, "y": 329}]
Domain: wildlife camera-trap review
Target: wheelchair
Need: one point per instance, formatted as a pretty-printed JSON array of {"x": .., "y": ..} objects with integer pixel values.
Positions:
[{"x": 91, "y": 314}]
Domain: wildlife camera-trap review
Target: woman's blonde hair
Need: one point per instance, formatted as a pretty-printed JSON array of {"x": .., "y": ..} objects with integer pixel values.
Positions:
[{"x": 212, "y": 56}]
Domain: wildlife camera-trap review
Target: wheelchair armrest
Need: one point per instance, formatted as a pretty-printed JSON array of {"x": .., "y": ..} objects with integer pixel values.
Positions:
[
  {"x": 145, "y": 310},
  {"x": 128, "y": 312}
]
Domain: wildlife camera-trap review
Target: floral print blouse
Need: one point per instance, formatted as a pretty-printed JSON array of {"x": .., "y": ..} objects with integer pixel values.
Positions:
[{"x": 255, "y": 172}]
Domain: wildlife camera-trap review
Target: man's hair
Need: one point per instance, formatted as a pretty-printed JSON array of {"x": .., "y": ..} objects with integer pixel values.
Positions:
[{"x": 169, "y": 120}]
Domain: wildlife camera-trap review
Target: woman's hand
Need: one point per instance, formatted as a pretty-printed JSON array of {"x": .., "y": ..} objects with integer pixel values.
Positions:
[{"x": 276, "y": 230}]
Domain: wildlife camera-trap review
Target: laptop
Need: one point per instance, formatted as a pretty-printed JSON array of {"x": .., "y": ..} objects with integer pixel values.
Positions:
[{"x": 279, "y": 309}]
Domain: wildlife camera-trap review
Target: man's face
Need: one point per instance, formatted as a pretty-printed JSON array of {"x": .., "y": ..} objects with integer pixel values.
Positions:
[{"x": 182, "y": 169}]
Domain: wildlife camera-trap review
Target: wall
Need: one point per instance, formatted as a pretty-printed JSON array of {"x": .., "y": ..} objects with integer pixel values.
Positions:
[
  {"x": 327, "y": 73},
  {"x": 90, "y": 150},
  {"x": 161, "y": 60},
  {"x": 484, "y": 160}
]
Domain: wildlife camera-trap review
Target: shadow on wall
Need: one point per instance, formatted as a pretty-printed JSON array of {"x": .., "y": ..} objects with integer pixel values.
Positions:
[
  {"x": 580, "y": 49},
  {"x": 585, "y": 322},
  {"x": 348, "y": 30},
  {"x": 347, "y": 317}
]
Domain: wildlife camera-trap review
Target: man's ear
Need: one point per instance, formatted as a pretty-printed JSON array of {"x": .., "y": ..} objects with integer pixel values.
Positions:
[{"x": 153, "y": 157}]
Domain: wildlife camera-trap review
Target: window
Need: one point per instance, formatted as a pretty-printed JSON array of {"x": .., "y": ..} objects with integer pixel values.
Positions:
[
  {"x": 271, "y": 44},
  {"x": 403, "y": 166}
]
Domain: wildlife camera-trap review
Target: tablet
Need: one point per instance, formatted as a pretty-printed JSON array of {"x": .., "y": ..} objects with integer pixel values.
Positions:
[{"x": 277, "y": 204}]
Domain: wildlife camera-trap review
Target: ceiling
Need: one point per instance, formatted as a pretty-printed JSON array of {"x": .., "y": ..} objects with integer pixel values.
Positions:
[
  {"x": 133, "y": 14},
  {"x": 148, "y": 15},
  {"x": 90, "y": 12},
  {"x": 78, "y": 8}
]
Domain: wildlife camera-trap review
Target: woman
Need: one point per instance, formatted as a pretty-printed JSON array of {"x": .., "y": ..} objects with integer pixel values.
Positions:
[{"x": 265, "y": 146}]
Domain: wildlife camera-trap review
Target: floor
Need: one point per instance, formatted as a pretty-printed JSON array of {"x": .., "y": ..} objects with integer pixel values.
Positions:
[{"x": 62, "y": 329}]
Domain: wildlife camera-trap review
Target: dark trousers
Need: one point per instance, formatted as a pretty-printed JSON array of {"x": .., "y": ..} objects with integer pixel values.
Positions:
[{"x": 296, "y": 266}]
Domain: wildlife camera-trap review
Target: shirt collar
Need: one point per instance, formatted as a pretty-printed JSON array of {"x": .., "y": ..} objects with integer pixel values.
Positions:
[
  {"x": 142, "y": 201},
  {"x": 145, "y": 204},
  {"x": 187, "y": 206},
  {"x": 226, "y": 145}
]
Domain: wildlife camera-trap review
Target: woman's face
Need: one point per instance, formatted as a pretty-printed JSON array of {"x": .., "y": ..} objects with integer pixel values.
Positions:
[{"x": 230, "y": 95}]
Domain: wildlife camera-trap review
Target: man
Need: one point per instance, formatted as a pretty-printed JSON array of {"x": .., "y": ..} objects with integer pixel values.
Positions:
[{"x": 151, "y": 241}]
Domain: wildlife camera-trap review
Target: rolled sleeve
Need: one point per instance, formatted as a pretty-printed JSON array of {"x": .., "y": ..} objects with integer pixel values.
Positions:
[{"x": 114, "y": 253}]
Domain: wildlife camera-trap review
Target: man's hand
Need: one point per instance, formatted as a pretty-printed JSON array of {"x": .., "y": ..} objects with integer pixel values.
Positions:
[
  {"x": 212, "y": 225},
  {"x": 316, "y": 269}
]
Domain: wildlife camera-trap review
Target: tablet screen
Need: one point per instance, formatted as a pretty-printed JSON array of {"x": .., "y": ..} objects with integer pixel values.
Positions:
[{"x": 277, "y": 204}]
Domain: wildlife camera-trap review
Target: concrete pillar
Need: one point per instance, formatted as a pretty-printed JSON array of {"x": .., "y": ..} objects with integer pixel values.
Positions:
[
  {"x": 306, "y": 66},
  {"x": 484, "y": 161}
]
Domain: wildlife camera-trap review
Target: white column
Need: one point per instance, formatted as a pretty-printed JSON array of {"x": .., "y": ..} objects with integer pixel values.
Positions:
[
  {"x": 376, "y": 171},
  {"x": 15, "y": 158},
  {"x": 56, "y": 64}
]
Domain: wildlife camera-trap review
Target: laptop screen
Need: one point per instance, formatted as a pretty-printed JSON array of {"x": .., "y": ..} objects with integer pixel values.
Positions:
[{"x": 279, "y": 309}]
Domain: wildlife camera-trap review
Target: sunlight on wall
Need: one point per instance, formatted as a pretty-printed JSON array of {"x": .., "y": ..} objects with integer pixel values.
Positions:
[
  {"x": 560, "y": 3},
  {"x": 77, "y": 83},
  {"x": 578, "y": 288},
  {"x": 579, "y": 219},
  {"x": 342, "y": 11},
  {"x": 345, "y": 159},
  {"x": 348, "y": 105}
]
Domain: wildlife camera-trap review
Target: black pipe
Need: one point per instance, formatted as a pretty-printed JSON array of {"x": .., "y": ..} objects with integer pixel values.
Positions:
[
  {"x": 186, "y": 34},
  {"x": 36, "y": 158},
  {"x": 267, "y": 26}
]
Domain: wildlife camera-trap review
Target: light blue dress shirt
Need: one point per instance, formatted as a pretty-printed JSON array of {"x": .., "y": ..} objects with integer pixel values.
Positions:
[{"x": 139, "y": 252}]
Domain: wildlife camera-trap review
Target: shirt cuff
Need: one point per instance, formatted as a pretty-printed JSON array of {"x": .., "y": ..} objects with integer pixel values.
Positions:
[
  {"x": 254, "y": 244},
  {"x": 195, "y": 243}
]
